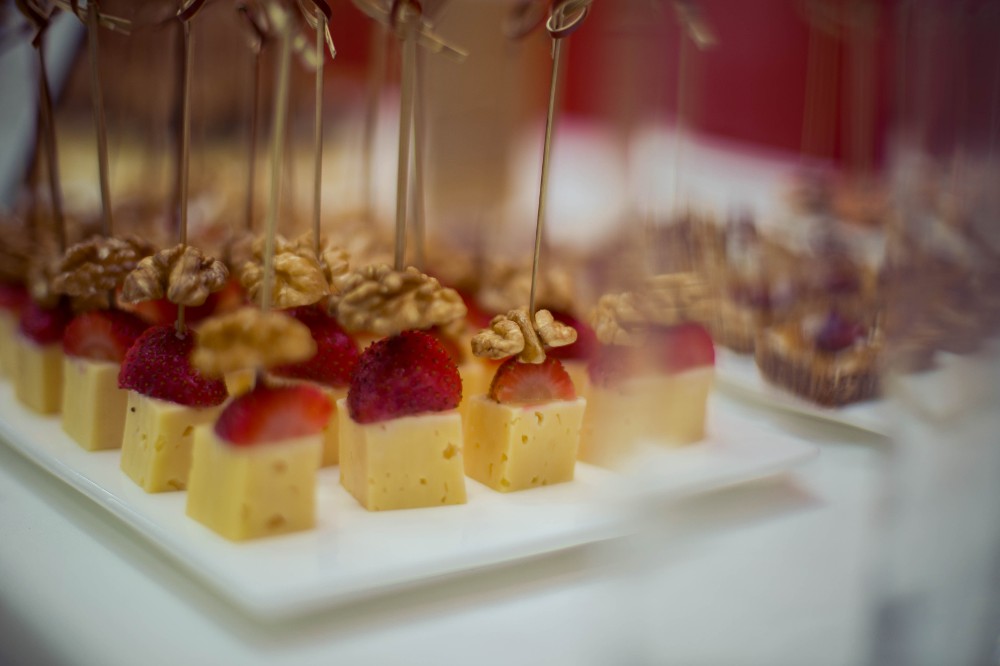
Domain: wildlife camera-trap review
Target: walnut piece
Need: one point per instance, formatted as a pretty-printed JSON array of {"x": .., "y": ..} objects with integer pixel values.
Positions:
[
  {"x": 90, "y": 271},
  {"x": 386, "y": 302},
  {"x": 250, "y": 339},
  {"x": 514, "y": 333},
  {"x": 181, "y": 273},
  {"x": 298, "y": 276},
  {"x": 662, "y": 300}
]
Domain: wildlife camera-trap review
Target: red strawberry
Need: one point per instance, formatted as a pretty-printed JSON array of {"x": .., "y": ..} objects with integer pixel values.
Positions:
[
  {"x": 451, "y": 345},
  {"x": 45, "y": 325},
  {"x": 102, "y": 335},
  {"x": 667, "y": 350},
  {"x": 157, "y": 366},
  {"x": 12, "y": 296},
  {"x": 405, "y": 374},
  {"x": 586, "y": 340},
  {"x": 683, "y": 347},
  {"x": 610, "y": 364},
  {"x": 273, "y": 414},
  {"x": 336, "y": 352},
  {"x": 518, "y": 383}
]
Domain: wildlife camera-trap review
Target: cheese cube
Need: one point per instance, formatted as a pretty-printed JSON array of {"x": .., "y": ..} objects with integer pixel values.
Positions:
[
  {"x": 403, "y": 463},
  {"x": 8, "y": 353},
  {"x": 38, "y": 375},
  {"x": 93, "y": 406},
  {"x": 512, "y": 447},
  {"x": 245, "y": 492},
  {"x": 666, "y": 408},
  {"x": 156, "y": 446}
]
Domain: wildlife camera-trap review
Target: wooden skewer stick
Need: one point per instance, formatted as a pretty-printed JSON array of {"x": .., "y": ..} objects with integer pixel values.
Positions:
[
  {"x": 408, "y": 20},
  {"x": 51, "y": 151},
  {"x": 318, "y": 137},
  {"x": 185, "y": 151},
  {"x": 376, "y": 80},
  {"x": 45, "y": 137},
  {"x": 566, "y": 17},
  {"x": 257, "y": 37},
  {"x": 97, "y": 96},
  {"x": 419, "y": 144},
  {"x": 280, "y": 20}
]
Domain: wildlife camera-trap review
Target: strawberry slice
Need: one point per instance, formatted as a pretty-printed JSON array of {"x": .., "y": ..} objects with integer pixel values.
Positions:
[
  {"x": 45, "y": 326},
  {"x": 273, "y": 414},
  {"x": 668, "y": 350},
  {"x": 336, "y": 352},
  {"x": 586, "y": 340},
  {"x": 683, "y": 347},
  {"x": 157, "y": 366},
  {"x": 405, "y": 374},
  {"x": 12, "y": 296},
  {"x": 517, "y": 383},
  {"x": 102, "y": 335}
]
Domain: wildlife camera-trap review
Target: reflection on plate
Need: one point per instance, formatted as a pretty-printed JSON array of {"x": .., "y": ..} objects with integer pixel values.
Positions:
[
  {"x": 739, "y": 372},
  {"x": 353, "y": 553}
]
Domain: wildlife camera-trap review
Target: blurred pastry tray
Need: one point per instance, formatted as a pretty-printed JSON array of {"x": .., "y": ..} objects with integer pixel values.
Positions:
[
  {"x": 955, "y": 384},
  {"x": 739, "y": 373},
  {"x": 354, "y": 554}
]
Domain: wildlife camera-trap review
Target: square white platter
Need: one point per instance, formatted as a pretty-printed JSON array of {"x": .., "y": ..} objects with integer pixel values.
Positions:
[{"x": 353, "y": 554}]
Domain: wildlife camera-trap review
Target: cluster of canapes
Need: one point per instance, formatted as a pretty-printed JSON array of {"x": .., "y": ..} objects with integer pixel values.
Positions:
[{"x": 241, "y": 406}]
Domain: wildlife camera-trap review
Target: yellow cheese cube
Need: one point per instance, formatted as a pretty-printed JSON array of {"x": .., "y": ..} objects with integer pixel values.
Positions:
[
  {"x": 245, "y": 492},
  {"x": 156, "y": 446},
  {"x": 665, "y": 408},
  {"x": 512, "y": 447},
  {"x": 331, "y": 431},
  {"x": 404, "y": 463},
  {"x": 38, "y": 375},
  {"x": 93, "y": 405},
  {"x": 8, "y": 353}
]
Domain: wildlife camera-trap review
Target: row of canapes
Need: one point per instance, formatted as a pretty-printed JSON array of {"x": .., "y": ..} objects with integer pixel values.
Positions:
[{"x": 393, "y": 417}]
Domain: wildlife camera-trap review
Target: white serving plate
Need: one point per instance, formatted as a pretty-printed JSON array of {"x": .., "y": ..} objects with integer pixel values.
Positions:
[
  {"x": 739, "y": 372},
  {"x": 353, "y": 553}
]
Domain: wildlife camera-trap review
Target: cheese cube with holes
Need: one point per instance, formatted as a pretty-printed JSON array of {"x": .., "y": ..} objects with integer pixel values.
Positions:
[
  {"x": 8, "y": 331},
  {"x": 666, "y": 408},
  {"x": 38, "y": 375},
  {"x": 402, "y": 463},
  {"x": 515, "y": 447},
  {"x": 246, "y": 492},
  {"x": 93, "y": 406},
  {"x": 156, "y": 447}
]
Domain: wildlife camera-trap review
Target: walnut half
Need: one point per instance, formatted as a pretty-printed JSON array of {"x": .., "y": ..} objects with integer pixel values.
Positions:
[
  {"x": 181, "y": 273},
  {"x": 250, "y": 339},
  {"x": 514, "y": 333},
  {"x": 386, "y": 302},
  {"x": 90, "y": 270}
]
